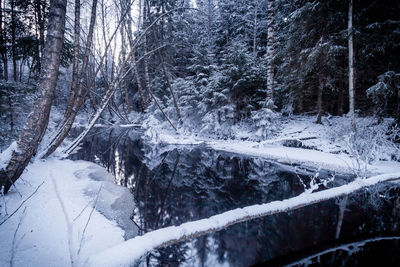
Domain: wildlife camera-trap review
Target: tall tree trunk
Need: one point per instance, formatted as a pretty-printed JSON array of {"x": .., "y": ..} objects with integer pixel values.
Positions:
[
  {"x": 398, "y": 105},
  {"x": 139, "y": 84},
  {"x": 146, "y": 65},
  {"x": 340, "y": 97},
  {"x": 319, "y": 101},
  {"x": 4, "y": 74},
  {"x": 255, "y": 29},
  {"x": 13, "y": 41},
  {"x": 270, "y": 54},
  {"x": 75, "y": 64},
  {"x": 77, "y": 98},
  {"x": 351, "y": 64},
  {"x": 37, "y": 121},
  {"x": 135, "y": 68},
  {"x": 125, "y": 6},
  {"x": 41, "y": 21},
  {"x": 40, "y": 25}
]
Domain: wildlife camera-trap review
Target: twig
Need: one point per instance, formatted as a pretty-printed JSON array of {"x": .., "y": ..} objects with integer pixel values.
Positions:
[
  {"x": 88, "y": 220},
  {"x": 80, "y": 213},
  {"x": 5, "y": 202},
  {"x": 14, "y": 245},
  {"x": 22, "y": 203},
  {"x": 68, "y": 222}
]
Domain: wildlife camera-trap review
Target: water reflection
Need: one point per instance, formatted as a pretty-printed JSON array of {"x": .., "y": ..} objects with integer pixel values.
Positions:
[{"x": 172, "y": 185}]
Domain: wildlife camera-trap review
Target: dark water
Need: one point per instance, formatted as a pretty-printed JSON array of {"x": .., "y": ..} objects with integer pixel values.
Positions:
[{"x": 175, "y": 184}]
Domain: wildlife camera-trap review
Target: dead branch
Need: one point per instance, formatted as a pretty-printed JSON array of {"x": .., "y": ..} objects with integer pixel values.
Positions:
[{"x": 22, "y": 203}]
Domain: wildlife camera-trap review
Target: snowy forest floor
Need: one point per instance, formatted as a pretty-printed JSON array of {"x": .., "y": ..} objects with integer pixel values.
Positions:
[{"x": 62, "y": 212}]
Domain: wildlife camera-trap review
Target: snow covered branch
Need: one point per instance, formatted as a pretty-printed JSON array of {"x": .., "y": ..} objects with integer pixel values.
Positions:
[{"x": 130, "y": 251}]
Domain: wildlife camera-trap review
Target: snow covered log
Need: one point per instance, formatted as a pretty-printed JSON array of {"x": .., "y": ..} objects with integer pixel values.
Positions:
[{"x": 130, "y": 251}]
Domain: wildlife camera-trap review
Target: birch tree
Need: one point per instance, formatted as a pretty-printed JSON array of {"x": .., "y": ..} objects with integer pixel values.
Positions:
[
  {"x": 38, "y": 119},
  {"x": 77, "y": 93},
  {"x": 351, "y": 64},
  {"x": 270, "y": 53}
]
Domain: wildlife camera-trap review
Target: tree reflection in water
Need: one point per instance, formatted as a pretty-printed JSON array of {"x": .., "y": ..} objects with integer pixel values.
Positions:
[{"x": 176, "y": 184}]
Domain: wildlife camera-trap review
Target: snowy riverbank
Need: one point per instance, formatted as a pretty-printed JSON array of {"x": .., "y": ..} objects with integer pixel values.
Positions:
[
  {"x": 54, "y": 223},
  {"x": 301, "y": 141},
  {"x": 49, "y": 218}
]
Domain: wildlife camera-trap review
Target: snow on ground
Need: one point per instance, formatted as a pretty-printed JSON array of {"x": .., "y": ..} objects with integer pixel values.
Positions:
[
  {"x": 324, "y": 146},
  {"x": 57, "y": 225}
]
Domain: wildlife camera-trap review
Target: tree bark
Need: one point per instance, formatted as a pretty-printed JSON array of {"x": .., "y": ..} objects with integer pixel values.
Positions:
[
  {"x": 319, "y": 101},
  {"x": 75, "y": 64},
  {"x": 37, "y": 121},
  {"x": 77, "y": 96},
  {"x": 135, "y": 68},
  {"x": 146, "y": 65},
  {"x": 270, "y": 53},
  {"x": 13, "y": 41},
  {"x": 255, "y": 29},
  {"x": 39, "y": 14},
  {"x": 351, "y": 64},
  {"x": 3, "y": 50},
  {"x": 340, "y": 98}
]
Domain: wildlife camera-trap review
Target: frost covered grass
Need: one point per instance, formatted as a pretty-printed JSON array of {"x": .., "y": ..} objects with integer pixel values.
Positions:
[{"x": 64, "y": 212}]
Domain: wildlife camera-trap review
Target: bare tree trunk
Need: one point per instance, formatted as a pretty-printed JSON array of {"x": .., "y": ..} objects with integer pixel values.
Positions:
[
  {"x": 37, "y": 50},
  {"x": 255, "y": 30},
  {"x": 39, "y": 23},
  {"x": 11, "y": 114},
  {"x": 36, "y": 124},
  {"x": 77, "y": 98},
  {"x": 398, "y": 105},
  {"x": 124, "y": 6},
  {"x": 139, "y": 84},
  {"x": 270, "y": 53},
  {"x": 319, "y": 101},
  {"x": 135, "y": 68},
  {"x": 75, "y": 64},
  {"x": 13, "y": 44},
  {"x": 146, "y": 65},
  {"x": 340, "y": 98},
  {"x": 351, "y": 64},
  {"x": 3, "y": 50}
]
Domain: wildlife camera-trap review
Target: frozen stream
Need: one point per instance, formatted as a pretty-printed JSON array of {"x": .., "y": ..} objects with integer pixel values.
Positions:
[{"x": 176, "y": 184}]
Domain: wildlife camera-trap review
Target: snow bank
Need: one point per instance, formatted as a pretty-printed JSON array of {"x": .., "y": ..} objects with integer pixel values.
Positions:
[
  {"x": 58, "y": 226},
  {"x": 127, "y": 253},
  {"x": 5, "y": 156},
  {"x": 323, "y": 146}
]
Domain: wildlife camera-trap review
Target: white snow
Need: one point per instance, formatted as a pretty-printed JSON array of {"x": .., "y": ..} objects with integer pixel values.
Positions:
[
  {"x": 5, "y": 156},
  {"x": 58, "y": 226},
  {"x": 329, "y": 142},
  {"x": 127, "y": 253}
]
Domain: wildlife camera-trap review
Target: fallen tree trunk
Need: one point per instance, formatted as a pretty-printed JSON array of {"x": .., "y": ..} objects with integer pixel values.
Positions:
[{"x": 130, "y": 251}]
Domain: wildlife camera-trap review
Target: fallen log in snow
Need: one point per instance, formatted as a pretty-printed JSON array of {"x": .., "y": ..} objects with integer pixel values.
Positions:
[{"x": 132, "y": 250}]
